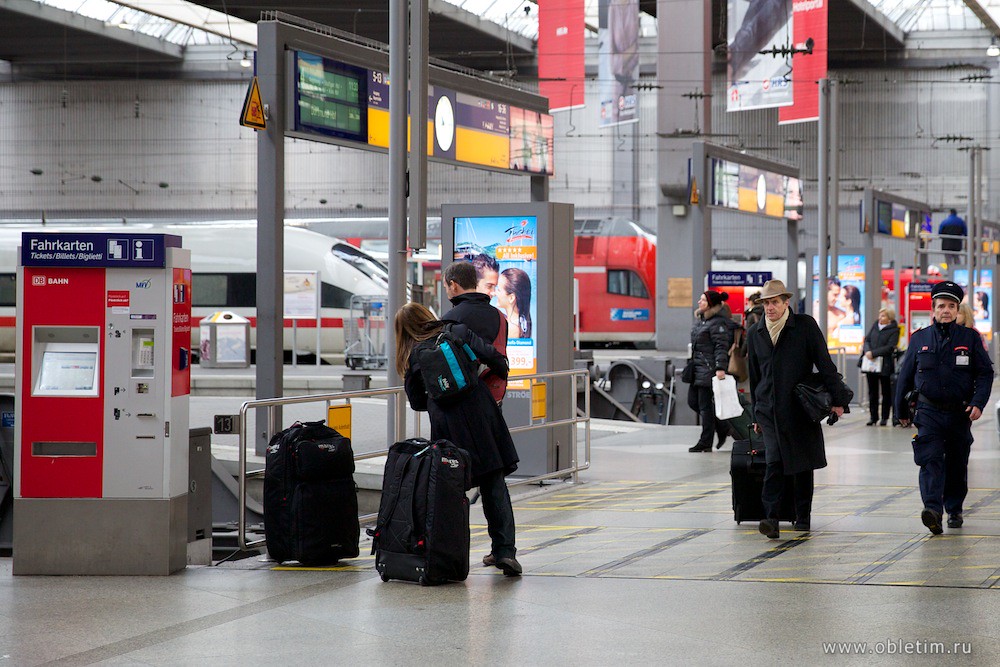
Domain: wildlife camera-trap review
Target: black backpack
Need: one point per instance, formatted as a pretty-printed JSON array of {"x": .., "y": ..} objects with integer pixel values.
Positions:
[{"x": 448, "y": 366}]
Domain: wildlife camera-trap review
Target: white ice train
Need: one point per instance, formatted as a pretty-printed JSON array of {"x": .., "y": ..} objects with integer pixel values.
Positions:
[{"x": 224, "y": 276}]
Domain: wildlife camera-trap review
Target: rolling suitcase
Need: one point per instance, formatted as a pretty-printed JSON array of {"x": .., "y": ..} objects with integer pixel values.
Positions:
[
  {"x": 747, "y": 471},
  {"x": 422, "y": 533},
  {"x": 310, "y": 498}
]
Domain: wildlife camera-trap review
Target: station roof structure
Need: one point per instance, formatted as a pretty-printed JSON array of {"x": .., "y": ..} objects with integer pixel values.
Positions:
[{"x": 51, "y": 39}]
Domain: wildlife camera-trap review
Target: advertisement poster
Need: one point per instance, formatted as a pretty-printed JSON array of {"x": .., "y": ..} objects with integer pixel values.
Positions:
[
  {"x": 618, "y": 60},
  {"x": 507, "y": 247},
  {"x": 981, "y": 298},
  {"x": 845, "y": 303},
  {"x": 560, "y": 53},
  {"x": 810, "y": 22},
  {"x": 759, "y": 80},
  {"x": 301, "y": 295}
]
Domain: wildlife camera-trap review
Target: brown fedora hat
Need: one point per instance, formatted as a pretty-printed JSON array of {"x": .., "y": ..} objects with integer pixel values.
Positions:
[{"x": 773, "y": 288}]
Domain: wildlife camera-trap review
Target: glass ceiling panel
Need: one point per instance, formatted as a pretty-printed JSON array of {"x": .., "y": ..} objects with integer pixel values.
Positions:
[
  {"x": 511, "y": 14},
  {"x": 912, "y": 15}
]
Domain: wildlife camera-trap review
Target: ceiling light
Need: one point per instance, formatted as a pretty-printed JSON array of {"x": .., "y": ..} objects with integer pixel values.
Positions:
[
  {"x": 993, "y": 50},
  {"x": 246, "y": 62}
]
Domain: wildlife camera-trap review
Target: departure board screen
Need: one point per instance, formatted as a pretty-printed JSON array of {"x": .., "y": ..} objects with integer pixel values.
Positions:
[
  {"x": 752, "y": 190},
  {"x": 330, "y": 97}
]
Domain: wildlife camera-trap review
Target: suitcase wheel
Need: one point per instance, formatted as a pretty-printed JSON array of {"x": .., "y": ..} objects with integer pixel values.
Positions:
[
  {"x": 384, "y": 576},
  {"x": 423, "y": 581}
]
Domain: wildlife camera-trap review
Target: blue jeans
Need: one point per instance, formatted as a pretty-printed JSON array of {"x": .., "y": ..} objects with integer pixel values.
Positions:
[
  {"x": 499, "y": 513},
  {"x": 941, "y": 449}
]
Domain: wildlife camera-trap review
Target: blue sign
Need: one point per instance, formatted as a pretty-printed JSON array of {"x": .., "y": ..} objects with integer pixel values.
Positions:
[
  {"x": 99, "y": 250},
  {"x": 629, "y": 314},
  {"x": 6, "y": 420},
  {"x": 737, "y": 278}
]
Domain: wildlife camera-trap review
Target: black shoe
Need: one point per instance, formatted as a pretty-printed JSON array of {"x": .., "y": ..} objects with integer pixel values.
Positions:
[
  {"x": 769, "y": 528},
  {"x": 801, "y": 525},
  {"x": 955, "y": 520},
  {"x": 721, "y": 442},
  {"x": 489, "y": 560},
  {"x": 871, "y": 422},
  {"x": 701, "y": 448},
  {"x": 932, "y": 519},
  {"x": 510, "y": 566},
  {"x": 882, "y": 423}
]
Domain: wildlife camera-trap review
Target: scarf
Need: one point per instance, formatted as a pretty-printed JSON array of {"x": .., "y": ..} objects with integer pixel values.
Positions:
[{"x": 774, "y": 328}]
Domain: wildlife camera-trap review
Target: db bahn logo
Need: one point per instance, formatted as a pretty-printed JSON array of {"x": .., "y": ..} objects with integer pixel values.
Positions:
[{"x": 38, "y": 281}]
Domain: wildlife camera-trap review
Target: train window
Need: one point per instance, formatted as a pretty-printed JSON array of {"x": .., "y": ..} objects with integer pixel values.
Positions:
[
  {"x": 626, "y": 283},
  {"x": 8, "y": 289},
  {"x": 331, "y": 296},
  {"x": 229, "y": 290},
  {"x": 362, "y": 261}
]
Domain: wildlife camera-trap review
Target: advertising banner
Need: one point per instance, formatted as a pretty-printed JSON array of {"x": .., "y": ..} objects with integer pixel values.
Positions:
[
  {"x": 810, "y": 22},
  {"x": 560, "y": 53},
  {"x": 845, "y": 303},
  {"x": 301, "y": 295},
  {"x": 618, "y": 64},
  {"x": 508, "y": 246},
  {"x": 759, "y": 80},
  {"x": 980, "y": 299}
]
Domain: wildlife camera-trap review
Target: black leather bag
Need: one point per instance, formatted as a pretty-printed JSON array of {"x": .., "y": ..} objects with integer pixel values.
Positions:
[
  {"x": 815, "y": 398},
  {"x": 687, "y": 375}
]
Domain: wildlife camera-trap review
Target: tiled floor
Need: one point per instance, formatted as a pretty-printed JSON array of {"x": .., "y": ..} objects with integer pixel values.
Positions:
[{"x": 641, "y": 563}]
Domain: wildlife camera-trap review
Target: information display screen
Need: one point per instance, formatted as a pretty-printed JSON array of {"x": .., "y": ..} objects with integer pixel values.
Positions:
[
  {"x": 67, "y": 372},
  {"x": 897, "y": 221},
  {"x": 330, "y": 97},
  {"x": 504, "y": 250},
  {"x": 751, "y": 190}
]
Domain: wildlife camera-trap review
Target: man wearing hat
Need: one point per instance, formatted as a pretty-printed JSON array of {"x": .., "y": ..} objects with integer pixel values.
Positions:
[
  {"x": 952, "y": 375},
  {"x": 782, "y": 350}
]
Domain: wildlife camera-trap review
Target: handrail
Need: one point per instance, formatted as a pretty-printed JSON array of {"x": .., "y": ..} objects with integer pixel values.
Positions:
[{"x": 573, "y": 470}]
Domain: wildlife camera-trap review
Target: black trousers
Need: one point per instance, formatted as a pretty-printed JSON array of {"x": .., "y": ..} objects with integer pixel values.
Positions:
[
  {"x": 701, "y": 400},
  {"x": 774, "y": 489},
  {"x": 875, "y": 382}
]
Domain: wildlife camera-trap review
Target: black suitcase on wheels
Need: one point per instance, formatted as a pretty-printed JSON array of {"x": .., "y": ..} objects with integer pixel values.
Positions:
[
  {"x": 422, "y": 533},
  {"x": 310, "y": 498},
  {"x": 747, "y": 471}
]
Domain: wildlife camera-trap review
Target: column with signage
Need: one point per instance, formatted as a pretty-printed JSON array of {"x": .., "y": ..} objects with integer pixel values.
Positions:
[
  {"x": 102, "y": 382},
  {"x": 738, "y": 285},
  {"x": 529, "y": 248}
]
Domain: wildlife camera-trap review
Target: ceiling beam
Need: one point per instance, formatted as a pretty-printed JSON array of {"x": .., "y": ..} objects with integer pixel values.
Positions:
[
  {"x": 983, "y": 15},
  {"x": 489, "y": 28},
  {"x": 890, "y": 28}
]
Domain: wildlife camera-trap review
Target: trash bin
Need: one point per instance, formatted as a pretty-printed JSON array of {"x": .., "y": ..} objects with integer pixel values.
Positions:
[{"x": 225, "y": 341}]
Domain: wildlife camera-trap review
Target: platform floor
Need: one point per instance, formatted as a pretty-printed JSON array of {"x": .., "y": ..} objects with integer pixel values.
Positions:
[{"x": 640, "y": 563}]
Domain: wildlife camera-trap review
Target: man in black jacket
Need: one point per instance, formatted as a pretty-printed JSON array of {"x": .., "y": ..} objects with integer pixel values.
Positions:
[
  {"x": 473, "y": 309},
  {"x": 783, "y": 348}
]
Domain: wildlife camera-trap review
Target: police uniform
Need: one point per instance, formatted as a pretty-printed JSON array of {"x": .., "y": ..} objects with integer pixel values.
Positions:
[{"x": 949, "y": 369}]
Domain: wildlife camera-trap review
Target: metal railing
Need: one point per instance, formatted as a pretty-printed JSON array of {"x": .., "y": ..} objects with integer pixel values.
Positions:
[{"x": 574, "y": 468}]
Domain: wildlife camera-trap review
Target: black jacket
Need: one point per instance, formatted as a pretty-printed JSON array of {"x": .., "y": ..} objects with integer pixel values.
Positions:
[
  {"x": 931, "y": 365},
  {"x": 474, "y": 311},
  {"x": 473, "y": 422},
  {"x": 882, "y": 343},
  {"x": 774, "y": 371},
  {"x": 711, "y": 338}
]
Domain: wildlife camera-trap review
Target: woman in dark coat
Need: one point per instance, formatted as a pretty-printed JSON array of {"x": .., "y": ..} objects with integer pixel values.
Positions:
[
  {"x": 793, "y": 444},
  {"x": 472, "y": 421},
  {"x": 711, "y": 338},
  {"x": 880, "y": 343}
]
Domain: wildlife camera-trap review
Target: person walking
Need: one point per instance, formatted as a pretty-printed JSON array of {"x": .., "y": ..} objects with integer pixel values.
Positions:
[
  {"x": 878, "y": 364},
  {"x": 952, "y": 226},
  {"x": 711, "y": 338},
  {"x": 783, "y": 348},
  {"x": 472, "y": 421},
  {"x": 952, "y": 375}
]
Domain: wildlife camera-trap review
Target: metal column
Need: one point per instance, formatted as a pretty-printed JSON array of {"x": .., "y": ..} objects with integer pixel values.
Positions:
[{"x": 823, "y": 202}]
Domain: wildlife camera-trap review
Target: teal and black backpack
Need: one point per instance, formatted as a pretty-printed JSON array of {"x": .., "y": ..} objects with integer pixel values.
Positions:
[{"x": 448, "y": 366}]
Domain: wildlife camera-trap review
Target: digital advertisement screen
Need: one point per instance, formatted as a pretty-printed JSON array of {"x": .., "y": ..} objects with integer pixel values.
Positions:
[
  {"x": 330, "y": 97},
  {"x": 752, "y": 190},
  {"x": 504, "y": 250},
  {"x": 981, "y": 298},
  {"x": 67, "y": 372},
  {"x": 845, "y": 303},
  {"x": 531, "y": 141}
]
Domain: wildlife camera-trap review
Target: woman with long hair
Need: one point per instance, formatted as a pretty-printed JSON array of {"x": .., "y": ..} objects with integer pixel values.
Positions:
[
  {"x": 514, "y": 297},
  {"x": 472, "y": 421}
]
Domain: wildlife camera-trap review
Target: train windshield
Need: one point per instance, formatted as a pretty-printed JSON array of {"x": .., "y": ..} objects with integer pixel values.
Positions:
[{"x": 362, "y": 261}]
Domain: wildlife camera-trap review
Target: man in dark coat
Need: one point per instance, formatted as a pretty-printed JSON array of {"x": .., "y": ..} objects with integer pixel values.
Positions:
[
  {"x": 783, "y": 349},
  {"x": 955, "y": 227},
  {"x": 473, "y": 309}
]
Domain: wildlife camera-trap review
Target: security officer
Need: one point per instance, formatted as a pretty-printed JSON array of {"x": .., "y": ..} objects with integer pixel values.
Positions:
[{"x": 952, "y": 375}]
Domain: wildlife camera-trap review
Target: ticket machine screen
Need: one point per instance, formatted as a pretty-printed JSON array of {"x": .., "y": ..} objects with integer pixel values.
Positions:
[{"x": 67, "y": 369}]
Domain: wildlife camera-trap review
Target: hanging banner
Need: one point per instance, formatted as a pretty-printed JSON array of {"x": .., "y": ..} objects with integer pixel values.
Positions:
[
  {"x": 560, "y": 53},
  {"x": 810, "y": 22},
  {"x": 618, "y": 64},
  {"x": 759, "y": 80}
]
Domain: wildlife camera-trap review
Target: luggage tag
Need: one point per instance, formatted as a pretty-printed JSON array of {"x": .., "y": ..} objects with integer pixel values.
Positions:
[{"x": 961, "y": 356}]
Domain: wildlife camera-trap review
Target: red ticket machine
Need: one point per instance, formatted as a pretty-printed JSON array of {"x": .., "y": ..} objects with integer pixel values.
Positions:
[{"x": 102, "y": 380}]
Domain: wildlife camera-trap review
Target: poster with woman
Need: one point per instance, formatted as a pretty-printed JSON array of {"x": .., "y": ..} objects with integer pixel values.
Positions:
[
  {"x": 845, "y": 303},
  {"x": 511, "y": 243},
  {"x": 980, "y": 298}
]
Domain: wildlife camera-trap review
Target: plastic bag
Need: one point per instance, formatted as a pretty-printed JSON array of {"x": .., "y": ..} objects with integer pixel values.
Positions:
[
  {"x": 727, "y": 400},
  {"x": 871, "y": 365}
]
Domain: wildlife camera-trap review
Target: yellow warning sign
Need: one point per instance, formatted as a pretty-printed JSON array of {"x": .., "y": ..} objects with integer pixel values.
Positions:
[
  {"x": 538, "y": 400},
  {"x": 694, "y": 192},
  {"x": 253, "y": 108},
  {"x": 338, "y": 417}
]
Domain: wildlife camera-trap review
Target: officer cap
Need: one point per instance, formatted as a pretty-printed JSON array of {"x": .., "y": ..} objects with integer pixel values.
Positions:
[{"x": 947, "y": 290}]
